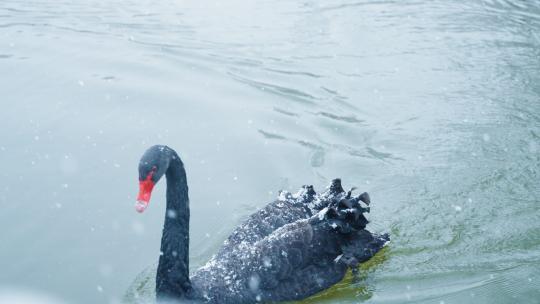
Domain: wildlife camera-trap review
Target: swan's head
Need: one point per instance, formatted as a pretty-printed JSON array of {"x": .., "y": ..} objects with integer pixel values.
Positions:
[{"x": 153, "y": 165}]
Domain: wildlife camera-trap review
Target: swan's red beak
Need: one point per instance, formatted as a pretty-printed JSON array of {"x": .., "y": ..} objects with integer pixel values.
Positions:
[{"x": 145, "y": 191}]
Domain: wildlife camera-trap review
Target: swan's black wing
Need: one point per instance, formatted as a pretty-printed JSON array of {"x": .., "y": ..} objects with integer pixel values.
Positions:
[
  {"x": 293, "y": 262},
  {"x": 288, "y": 208},
  {"x": 302, "y": 262},
  {"x": 308, "y": 267},
  {"x": 320, "y": 276}
]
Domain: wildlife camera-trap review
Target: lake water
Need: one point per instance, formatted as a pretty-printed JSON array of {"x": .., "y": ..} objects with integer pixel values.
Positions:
[{"x": 433, "y": 107}]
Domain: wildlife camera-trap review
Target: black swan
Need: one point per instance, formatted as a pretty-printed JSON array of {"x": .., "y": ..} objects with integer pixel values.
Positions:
[{"x": 291, "y": 249}]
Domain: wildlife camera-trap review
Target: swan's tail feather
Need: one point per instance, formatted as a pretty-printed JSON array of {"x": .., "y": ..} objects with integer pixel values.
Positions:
[
  {"x": 333, "y": 193},
  {"x": 344, "y": 214},
  {"x": 364, "y": 197}
]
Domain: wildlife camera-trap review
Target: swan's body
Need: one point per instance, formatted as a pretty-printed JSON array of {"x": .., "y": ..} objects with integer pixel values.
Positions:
[
  {"x": 293, "y": 263},
  {"x": 291, "y": 249}
]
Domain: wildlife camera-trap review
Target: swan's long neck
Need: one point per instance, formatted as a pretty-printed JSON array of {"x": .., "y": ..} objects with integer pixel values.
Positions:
[{"x": 172, "y": 280}]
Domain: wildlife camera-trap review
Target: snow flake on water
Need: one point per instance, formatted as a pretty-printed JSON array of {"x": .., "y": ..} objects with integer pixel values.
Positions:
[
  {"x": 81, "y": 83},
  {"x": 533, "y": 147},
  {"x": 529, "y": 279},
  {"x": 457, "y": 208},
  {"x": 137, "y": 227},
  {"x": 469, "y": 200},
  {"x": 105, "y": 270},
  {"x": 486, "y": 137},
  {"x": 99, "y": 288}
]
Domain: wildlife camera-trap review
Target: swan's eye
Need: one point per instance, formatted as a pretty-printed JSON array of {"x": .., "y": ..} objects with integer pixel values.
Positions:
[
  {"x": 150, "y": 174},
  {"x": 153, "y": 171}
]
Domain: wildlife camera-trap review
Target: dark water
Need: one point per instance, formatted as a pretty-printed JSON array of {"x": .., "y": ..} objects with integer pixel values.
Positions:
[{"x": 431, "y": 106}]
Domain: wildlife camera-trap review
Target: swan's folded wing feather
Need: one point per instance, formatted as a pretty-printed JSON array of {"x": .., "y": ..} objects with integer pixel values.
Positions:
[
  {"x": 296, "y": 261},
  {"x": 306, "y": 282},
  {"x": 262, "y": 223},
  {"x": 288, "y": 208}
]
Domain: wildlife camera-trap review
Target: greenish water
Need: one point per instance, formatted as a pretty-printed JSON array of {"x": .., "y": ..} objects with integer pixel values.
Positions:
[{"x": 433, "y": 107}]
